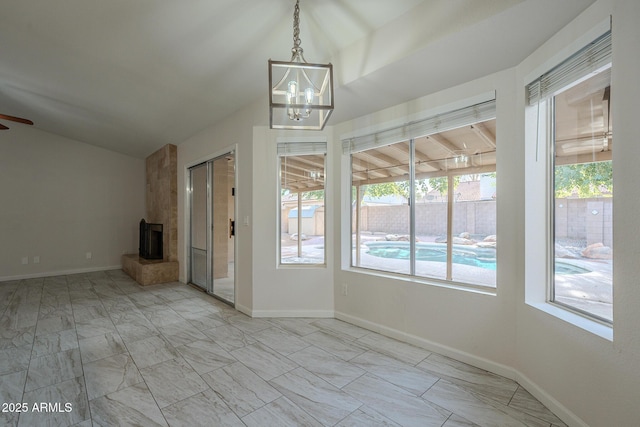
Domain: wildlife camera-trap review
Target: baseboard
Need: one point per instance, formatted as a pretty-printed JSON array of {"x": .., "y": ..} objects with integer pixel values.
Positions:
[
  {"x": 567, "y": 416},
  {"x": 549, "y": 401},
  {"x": 59, "y": 273},
  {"x": 287, "y": 313},
  {"x": 242, "y": 309},
  {"x": 479, "y": 362}
]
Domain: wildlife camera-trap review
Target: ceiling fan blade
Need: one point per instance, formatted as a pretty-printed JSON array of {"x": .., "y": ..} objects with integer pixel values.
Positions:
[
  {"x": 3, "y": 127},
  {"x": 16, "y": 119}
]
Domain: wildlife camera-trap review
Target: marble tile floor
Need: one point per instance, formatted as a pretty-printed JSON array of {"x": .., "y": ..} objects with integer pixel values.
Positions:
[{"x": 97, "y": 349}]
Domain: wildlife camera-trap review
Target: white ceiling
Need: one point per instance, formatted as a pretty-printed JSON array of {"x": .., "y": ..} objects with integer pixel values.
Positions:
[{"x": 133, "y": 75}]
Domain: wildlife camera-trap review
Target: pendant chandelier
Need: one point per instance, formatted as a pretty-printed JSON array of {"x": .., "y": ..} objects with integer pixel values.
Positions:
[{"x": 300, "y": 93}]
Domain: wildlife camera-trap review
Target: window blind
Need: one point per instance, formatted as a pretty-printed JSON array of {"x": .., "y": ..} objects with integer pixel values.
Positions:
[
  {"x": 438, "y": 123},
  {"x": 590, "y": 59},
  {"x": 301, "y": 148}
]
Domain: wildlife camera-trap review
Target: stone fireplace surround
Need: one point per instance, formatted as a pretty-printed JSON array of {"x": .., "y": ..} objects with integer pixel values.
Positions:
[{"x": 162, "y": 208}]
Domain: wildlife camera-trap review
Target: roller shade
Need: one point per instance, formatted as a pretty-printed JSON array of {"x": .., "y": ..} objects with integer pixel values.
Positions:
[
  {"x": 301, "y": 148},
  {"x": 439, "y": 123},
  {"x": 590, "y": 59}
]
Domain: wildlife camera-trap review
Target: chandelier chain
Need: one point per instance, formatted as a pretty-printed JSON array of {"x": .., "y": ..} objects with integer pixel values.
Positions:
[{"x": 296, "y": 50}]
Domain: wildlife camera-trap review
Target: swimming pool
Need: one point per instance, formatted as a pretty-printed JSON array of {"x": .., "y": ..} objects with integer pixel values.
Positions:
[{"x": 465, "y": 255}]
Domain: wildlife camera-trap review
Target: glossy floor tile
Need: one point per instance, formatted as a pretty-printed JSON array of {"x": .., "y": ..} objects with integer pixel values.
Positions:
[{"x": 97, "y": 349}]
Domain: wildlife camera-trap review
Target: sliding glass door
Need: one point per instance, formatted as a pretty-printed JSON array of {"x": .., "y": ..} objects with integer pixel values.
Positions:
[
  {"x": 212, "y": 231},
  {"x": 199, "y": 225},
  {"x": 223, "y": 220}
]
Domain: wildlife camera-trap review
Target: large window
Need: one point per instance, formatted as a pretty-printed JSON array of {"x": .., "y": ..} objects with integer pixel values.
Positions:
[
  {"x": 572, "y": 104},
  {"x": 302, "y": 210},
  {"x": 424, "y": 198}
]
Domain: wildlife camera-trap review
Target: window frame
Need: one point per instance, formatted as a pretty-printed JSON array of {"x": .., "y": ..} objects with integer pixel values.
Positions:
[
  {"x": 551, "y": 250},
  {"x": 350, "y": 260},
  {"x": 300, "y": 147},
  {"x": 539, "y": 118}
]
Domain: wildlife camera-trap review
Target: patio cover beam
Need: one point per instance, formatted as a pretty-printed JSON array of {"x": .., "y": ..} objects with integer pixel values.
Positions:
[{"x": 484, "y": 134}]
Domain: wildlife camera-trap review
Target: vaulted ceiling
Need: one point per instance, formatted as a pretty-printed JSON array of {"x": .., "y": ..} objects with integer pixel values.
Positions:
[{"x": 131, "y": 76}]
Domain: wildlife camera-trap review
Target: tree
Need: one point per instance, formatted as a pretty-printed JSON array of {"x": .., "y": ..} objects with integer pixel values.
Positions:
[
  {"x": 386, "y": 189},
  {"x": 442, "y": 183},
  {"x": 586, "y": 179},
  {"x": 401, "y": 188},
  {"x": 313, "y": 195},
  {"x": 397, "y": 188}
]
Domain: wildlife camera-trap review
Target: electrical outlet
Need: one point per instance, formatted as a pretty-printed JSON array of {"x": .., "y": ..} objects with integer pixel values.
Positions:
[
  {"x": 25, "y": 260},
  {"x": 36, "y": 259},
  {"x": 345, "y": 289},
  {"x": 88, "y": 255}
]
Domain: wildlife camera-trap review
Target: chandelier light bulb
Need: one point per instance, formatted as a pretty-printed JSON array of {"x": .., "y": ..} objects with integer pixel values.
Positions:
[
  {"x": 292, "y": 92},
  {"x": 308, "y": 95}
]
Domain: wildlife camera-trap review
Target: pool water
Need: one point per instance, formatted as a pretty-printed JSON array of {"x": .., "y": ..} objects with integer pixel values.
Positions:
[
  {"x": 475, "y": 257},
  {"x": 432, "y": 254}
]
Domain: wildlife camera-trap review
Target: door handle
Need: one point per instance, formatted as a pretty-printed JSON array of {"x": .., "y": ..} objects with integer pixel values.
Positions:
[{"x": 232, "y": 228}]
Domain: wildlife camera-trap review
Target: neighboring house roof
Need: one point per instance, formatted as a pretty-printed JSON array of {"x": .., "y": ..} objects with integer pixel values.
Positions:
[{"x": 307, "y": 211}]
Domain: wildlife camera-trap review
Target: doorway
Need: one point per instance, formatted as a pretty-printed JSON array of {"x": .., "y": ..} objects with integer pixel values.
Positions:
[{"x": 212, "y": 226}]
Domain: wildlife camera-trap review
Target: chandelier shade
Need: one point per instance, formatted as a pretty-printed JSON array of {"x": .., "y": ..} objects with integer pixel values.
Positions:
[{"x": 300, "y": 93}]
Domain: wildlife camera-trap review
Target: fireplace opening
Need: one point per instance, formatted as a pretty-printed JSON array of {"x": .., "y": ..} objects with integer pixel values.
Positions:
[{"x": 150, "y": 240}]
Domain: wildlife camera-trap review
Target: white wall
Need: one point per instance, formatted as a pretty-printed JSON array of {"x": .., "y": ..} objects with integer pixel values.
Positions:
[
  {"x": 472, "y": 326},
  {"x": 584, "y": 377},
  {"x": 261, "y": 288},
  {"x": 234, "y": 133},
  {"x": 301, "y": 291},
  {"x": 61, "y": 199},
  {"x": 595, "y": 379}
]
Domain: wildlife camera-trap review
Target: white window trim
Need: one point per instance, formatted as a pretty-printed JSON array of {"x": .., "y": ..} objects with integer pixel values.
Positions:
[
  {"x": 291, "y": 147},
  {"x": 538, "y": 268},
  {"x": 364, "y": 136},
  {"x": 538, "y": 161}
]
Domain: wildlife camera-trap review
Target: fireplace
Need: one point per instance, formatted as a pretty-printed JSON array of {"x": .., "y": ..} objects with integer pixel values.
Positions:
[{"x": 150, "y": 240}]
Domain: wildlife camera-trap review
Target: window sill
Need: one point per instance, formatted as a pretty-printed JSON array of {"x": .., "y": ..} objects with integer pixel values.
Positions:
[
  {"x": 301, "y": 265},
  {"x": 478, "y": 289},
  {"x": 602, "y": 330}
]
